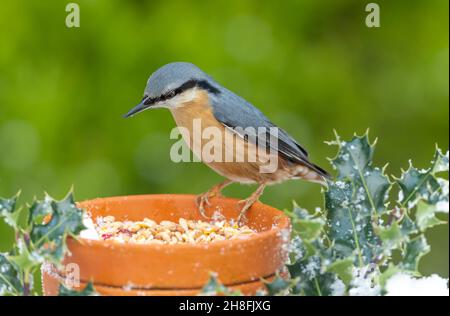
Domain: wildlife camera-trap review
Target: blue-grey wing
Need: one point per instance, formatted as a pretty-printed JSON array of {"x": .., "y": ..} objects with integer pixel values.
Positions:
[{"x": 233, "y": 111}]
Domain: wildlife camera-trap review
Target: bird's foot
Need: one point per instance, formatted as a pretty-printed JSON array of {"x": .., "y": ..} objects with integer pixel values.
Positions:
[
  {"x": 202, "y": 200},
  {"x": 247, "y": 203},
  {"x": 215, "y": 191}
]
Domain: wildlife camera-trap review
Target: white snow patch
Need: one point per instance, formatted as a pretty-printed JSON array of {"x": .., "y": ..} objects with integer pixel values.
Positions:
[
  {"x": 442, "y": 206},
  {"x": 363, "y": 284},
  {"x": 90, "y": 232},
  {"x": 400, "y": 196},
  {"x": 311, "y": 268},
  {"x": 338, "y": 288},
  {"x": 340, "y": 184},
  {"x": 402, "y": 284},
  {"x": 296, "y": 248}
]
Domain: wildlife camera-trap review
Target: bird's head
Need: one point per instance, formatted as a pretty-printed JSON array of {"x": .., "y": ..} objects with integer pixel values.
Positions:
[{"x": 173, "y": 85}]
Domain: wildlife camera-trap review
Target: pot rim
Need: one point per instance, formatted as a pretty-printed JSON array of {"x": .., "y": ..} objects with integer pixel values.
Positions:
[{"x": 282, "y": 223}]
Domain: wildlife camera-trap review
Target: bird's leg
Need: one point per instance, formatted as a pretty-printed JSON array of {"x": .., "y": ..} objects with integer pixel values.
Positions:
[
  {"x": 250, "y": 201},
  {"x": 203, "y": 199}
]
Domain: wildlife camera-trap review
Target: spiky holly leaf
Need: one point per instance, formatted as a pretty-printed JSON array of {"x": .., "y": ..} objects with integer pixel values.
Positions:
[
  {"x": 343, "y": 268},
  {"x": 356, "y": 200},
  {"x": 413, "y": 252},
  {"x": 417, "y": 184},
  {"x": 320, "y": 271},
  {"x": 408, "y": 226},
  {"x": 214, "y": 287},
  {"x": 425, "y": 216},
  {"x": 52, "y": 221},
  {"x": 398, "y": 231},
  {"x": 440, "y": 161},
  {"x": 350, "y": 223},
  {"x": 9, "y": 277},
  {"x": 314, "y": 280},
  {"x": 40, "y": 212},
  {"x": 8, "y": 211},
  {"x": 354, "y": 164},
  {"x": 391, "y": 236},
  {"x": 360, "y": 225},
  {"x": 23, "y": 257},
  {"x": 87, "y": 291},
  {"x": 424, "y": 184},
  {"x": 323, "y": 284},
  {"x": 305, "y": 225},
  {"x": 280, "y": 286}
]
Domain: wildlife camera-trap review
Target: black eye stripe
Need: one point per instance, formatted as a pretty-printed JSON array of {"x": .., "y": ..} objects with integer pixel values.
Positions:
[{"x": 203, "y": 84}]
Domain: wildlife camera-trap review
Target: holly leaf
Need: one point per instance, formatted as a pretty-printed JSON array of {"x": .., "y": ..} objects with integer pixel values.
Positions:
[
  {"x": 313, "y": 279},
  {"x": 391, "y": 236},
  {"x": 23, "y": 258},
  {"x": 9, "y": 277},
  {"x": 354, "y": 164},
  {"x": 417, "y": 184},
  {"x": 305, "y": 225},
  {"x": 214, "y": 287},
  {"x": 8, "y": 211},
  {"x": 8, "y": 205},
  {"x": 425, "y": 216},
  {"x": 424, "y": 184},
  {"x": 440, "y": 161},
  {"x": 396, "y": 234},
  {"x": 52, "y": 221},
  {"x": 356, "y": 200},
  {"x": 87, "y": 291},
  {"x": 350, "y": 223},
  {"x": 359, "y": 225},
  {"x": 413, "y": 252},
  {"x": 343, "y": 268},
  {"x": 442, "y": 196},
  {"x": 408, "y": 226},
  {"x": 297, "y": 249},
  {"x": 321, "y": 272},
  {"x": 280, "y": 286}
]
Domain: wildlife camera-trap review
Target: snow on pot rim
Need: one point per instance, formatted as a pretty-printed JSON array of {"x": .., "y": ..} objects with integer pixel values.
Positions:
[{"x": 184, "y": 265}]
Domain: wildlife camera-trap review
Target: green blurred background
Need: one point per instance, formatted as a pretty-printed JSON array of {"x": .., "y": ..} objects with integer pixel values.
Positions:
[{"x": 311, "y": 66}]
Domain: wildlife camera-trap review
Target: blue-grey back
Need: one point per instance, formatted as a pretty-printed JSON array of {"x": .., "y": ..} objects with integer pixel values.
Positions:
[{"x": 235, "y": 111}]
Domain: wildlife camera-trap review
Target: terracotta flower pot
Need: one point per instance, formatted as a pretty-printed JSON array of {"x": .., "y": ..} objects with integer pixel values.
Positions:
[{"x": 177, "y": 269}]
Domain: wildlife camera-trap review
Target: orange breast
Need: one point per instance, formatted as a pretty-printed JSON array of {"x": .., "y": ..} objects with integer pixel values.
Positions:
[{"x": 223, "y": 150}]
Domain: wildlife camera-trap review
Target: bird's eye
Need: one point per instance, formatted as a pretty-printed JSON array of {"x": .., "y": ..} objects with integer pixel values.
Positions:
[{"x": 171, "y": 94}]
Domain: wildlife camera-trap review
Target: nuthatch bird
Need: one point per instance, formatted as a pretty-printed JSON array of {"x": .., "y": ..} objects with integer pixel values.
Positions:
[{"x": 191, "y": 94}]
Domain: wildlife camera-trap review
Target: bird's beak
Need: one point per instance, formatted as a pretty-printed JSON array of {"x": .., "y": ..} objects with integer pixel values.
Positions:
[{"x": 138, "y": 108}]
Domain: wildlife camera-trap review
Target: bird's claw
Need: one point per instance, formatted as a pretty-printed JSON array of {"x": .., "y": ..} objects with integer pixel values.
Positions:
[
  {"x": 203, "y": 199},
  {"x": 247, "y": 203}
]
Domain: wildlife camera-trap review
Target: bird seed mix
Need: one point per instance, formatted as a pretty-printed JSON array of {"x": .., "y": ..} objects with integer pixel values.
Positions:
[{"x": 167, "y": 232}]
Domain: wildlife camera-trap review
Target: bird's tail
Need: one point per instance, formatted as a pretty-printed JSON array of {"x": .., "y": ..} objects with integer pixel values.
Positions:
[{"x": 322, "y": 172}]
